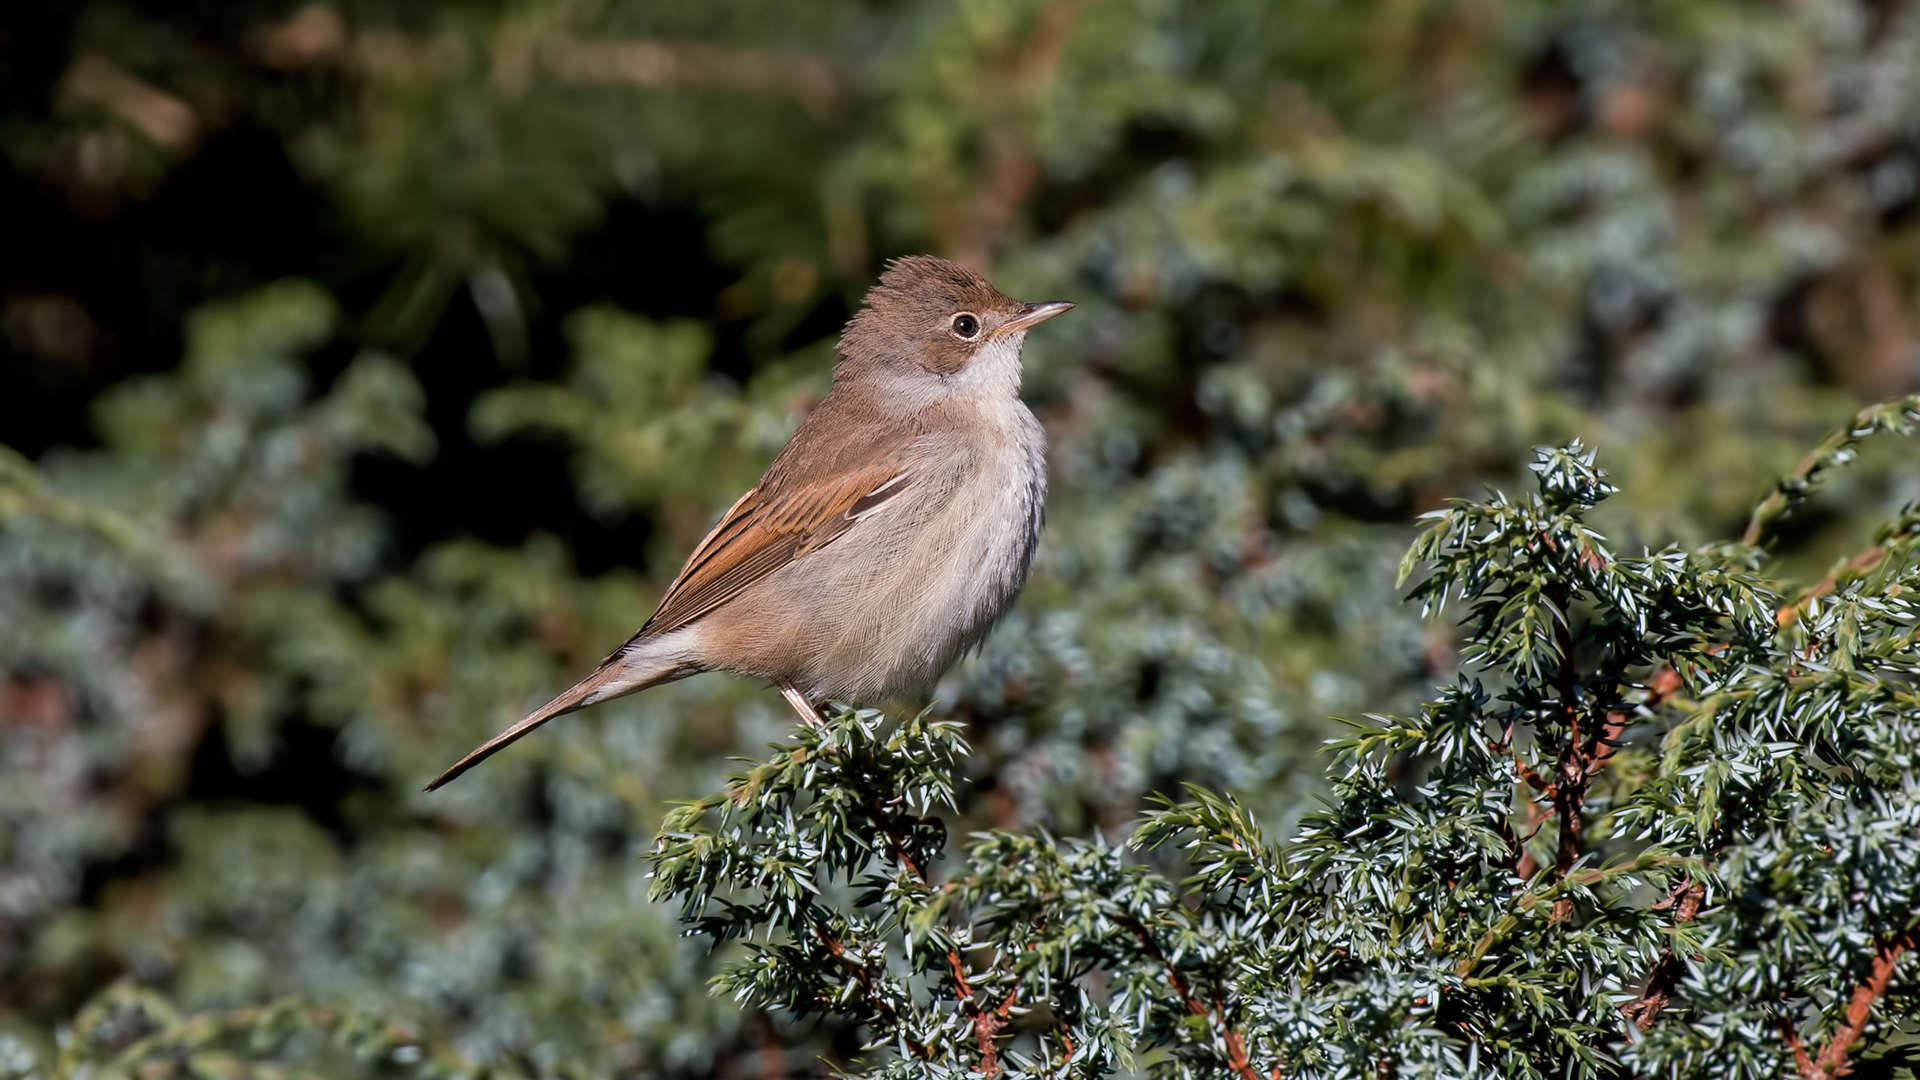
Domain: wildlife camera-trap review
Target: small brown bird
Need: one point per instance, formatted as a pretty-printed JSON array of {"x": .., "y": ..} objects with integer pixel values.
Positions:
[{"x": 889, "y": 534}]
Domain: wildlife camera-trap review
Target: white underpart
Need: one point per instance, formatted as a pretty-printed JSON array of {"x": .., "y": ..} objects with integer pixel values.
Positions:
[{"x": 927, "y": 575}]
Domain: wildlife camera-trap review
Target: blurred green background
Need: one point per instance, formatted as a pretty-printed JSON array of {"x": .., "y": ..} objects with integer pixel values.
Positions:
[{"x": 366, "y": 369}]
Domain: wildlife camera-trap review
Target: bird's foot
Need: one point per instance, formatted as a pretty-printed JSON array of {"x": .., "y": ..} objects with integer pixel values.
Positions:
[{"x": 800, "y": 703}]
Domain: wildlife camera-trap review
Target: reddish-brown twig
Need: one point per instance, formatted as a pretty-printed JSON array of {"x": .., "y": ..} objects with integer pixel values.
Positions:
[
  {"x": 1238, "y": 1060},
  {"x": 1831, "y": 1062}
]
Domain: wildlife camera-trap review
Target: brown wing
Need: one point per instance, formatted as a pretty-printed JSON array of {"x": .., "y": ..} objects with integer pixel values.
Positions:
[
  {"x": 802, "y": 504},
  {"x": 769, "y": 527}
]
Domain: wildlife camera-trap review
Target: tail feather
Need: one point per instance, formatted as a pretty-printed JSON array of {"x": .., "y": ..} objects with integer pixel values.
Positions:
[{"x": 614, "y": 678}]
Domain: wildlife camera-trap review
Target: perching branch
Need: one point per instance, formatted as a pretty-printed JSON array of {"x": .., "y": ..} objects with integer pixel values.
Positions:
[
  {"x": 1896, "y": 417},
  {"x": 1903, "y": 527},
  {"x": 1235, "y": 1044},
  {"x": 1831, "y": 1062},
  {"x": 879, "y": 1008},
  {"x": 1663, "y": 978},
  {"x": 1571, "y": 774}
]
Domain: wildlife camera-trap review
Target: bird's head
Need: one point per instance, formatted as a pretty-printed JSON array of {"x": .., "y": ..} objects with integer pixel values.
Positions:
[{"x": 930, "y": 320}]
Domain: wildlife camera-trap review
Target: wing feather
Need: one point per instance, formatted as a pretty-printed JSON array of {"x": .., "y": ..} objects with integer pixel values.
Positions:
[{"x": 769, "y": 527}]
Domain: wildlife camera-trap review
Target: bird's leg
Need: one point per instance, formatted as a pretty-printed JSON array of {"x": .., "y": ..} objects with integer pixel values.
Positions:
[{"x": 800, "y": 703}]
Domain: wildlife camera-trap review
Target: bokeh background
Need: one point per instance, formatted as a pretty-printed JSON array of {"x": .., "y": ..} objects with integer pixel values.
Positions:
[{"x": 366, "y": 370}]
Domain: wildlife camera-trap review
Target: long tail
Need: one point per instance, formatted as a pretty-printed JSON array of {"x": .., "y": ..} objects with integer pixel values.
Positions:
[{"x": 615, "y": 678}]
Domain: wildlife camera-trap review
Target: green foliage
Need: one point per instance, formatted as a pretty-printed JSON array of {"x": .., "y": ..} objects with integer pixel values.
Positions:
[
  {"x": 219, "y": 500},
  {"x": 126, "y": 1033},
  {"x": 1477, "y": 896},
  {"x": 1334, "y": 264}
]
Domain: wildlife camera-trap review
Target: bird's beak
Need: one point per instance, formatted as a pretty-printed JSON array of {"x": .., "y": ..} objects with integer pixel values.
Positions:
[{"x": 1032, "y": 315}]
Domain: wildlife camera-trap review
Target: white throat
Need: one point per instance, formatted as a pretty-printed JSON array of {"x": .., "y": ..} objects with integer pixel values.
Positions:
[{"x": 994, "y": 370}]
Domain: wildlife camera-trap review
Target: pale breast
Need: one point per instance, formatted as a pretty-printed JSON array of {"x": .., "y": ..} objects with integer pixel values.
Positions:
[
  {"x": 970, "y": 560},
  {"x": 886, "y": 609}
]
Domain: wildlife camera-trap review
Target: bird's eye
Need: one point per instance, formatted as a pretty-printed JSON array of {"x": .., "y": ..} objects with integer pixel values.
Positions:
[{"x": 966, "y": 326}]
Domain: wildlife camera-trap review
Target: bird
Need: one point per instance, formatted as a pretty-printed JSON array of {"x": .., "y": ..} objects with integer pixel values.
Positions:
[{"x": 886, "y": 538}]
